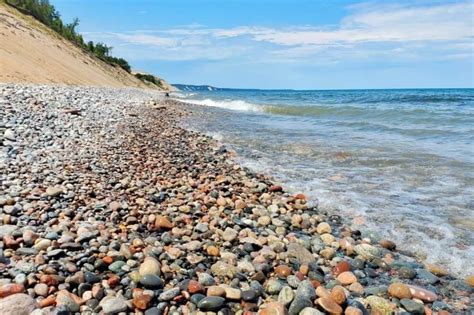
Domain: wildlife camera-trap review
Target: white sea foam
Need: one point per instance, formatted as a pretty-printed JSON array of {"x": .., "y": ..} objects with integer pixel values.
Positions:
[{"x": 228, "y": 104}]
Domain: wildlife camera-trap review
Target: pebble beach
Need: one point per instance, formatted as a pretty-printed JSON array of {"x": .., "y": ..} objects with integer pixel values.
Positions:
[{"x": 109, "y": 205}]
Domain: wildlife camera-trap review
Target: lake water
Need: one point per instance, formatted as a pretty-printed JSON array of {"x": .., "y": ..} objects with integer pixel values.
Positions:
[{"x": 400, "y": 161}]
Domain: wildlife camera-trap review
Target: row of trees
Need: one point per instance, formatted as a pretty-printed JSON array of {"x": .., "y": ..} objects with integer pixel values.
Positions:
[
  {"x": 150, "y": 78},
  {"x": 44, "y": 12}
]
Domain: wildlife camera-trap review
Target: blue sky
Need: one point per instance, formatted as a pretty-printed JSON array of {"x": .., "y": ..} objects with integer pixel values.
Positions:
[{"x": 319, "y": 44}]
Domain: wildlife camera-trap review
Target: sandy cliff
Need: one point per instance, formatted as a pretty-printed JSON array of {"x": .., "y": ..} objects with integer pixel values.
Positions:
[{"x": 32, "y": 53}]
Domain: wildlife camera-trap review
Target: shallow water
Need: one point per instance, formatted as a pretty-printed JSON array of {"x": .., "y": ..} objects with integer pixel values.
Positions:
[{"x": 401, "y": 160}]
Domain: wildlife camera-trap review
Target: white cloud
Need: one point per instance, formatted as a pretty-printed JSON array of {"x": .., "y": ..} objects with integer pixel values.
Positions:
[
  {"x": 386, "y": 24},
  {"x": 144, "y": 39},
  {"x": 368, "y": 31}
]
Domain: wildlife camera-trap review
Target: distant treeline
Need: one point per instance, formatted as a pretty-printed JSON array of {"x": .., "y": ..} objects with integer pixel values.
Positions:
[
  {"x": 149, "y": 78},
  {"x": 44, "y": 12}
]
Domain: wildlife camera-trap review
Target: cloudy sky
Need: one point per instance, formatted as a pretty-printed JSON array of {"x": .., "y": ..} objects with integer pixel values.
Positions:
[{"x": 324, "y": 44}]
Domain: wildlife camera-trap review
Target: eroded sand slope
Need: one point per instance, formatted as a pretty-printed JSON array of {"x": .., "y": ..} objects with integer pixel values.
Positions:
[{"x": 32, "y": 53}]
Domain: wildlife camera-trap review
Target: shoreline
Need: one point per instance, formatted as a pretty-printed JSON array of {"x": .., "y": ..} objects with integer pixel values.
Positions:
[{"x": 123, "y": 200}]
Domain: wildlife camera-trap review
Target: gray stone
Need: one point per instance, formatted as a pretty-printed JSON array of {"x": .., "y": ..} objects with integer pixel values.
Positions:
[
  {"x": 222, "y": 269},
  {"x": 7, "y": 229},
  {"x": 206, "y": 279},
  {"x": 310, "y": 311},
  {"x": 299, "y": 252},
  {"x": 9, "y": 135},
  {"x": 426, "y": 277},
  {"x": 170, "y": 294},
  {"x": 412, "y": 306},
  {"x": 286, "y": 295},
  {"x": 151, "y": 282},
  {"x": 306, "y": 289},
  {"x": 211, "y": 303},
  {"x": 298, "y": 304},
  {"x": 113, "y": 304},
  {"x": 18, "y": 304},
  {"x": 273, "y": 286}
]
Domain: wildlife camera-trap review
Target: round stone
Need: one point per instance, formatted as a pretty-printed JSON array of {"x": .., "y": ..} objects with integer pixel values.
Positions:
[
  {"x": 215, "y": 291},
  {"x": 229, "y": 234},
  {"x": 41, "y": 289},
  {"x": 310, "y": 311},
  {"x": 274, "y": 308},
  {"x": 283, "y": 271},
  {"x": 249, "y": 295},
  {"x": 412, "y": 306},
  {"x": 338, "y": 295},
  {"x": 113, "y": 305},
  {"x": 399, "y": 290},
  {"x": 422, "y": 294},
  {"x": 298, "y": 304},
  {"x": 323, "y": 228},
  {"x": 163, "y": 223},
  {"x": 346, "y": 278},
  {"x": 273, "y": 286},
  {"x": 341, "y": 267},
  {"x": 150, "y": 266},
  {"x": 211, "y": 303},
  {"x": 151, "y": 281},
  {"x": 286, "y": 295},
  {"x": 351, "y": 310},
  {"x": 20, "y": 304},
  {"x": 169, "y": 294},
  {"x": 329, "y": 305},
  {"x": 233, "y": 294},
  {"x": 379, "y": 304},
  {"x": 388, "y": 244}
]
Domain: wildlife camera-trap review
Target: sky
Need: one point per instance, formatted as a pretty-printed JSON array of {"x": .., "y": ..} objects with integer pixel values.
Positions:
[{"x": 297, "y": 44}]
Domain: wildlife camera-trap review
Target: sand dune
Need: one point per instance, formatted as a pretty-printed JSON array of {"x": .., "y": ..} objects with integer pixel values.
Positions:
[{"x": 32, "y": 53}]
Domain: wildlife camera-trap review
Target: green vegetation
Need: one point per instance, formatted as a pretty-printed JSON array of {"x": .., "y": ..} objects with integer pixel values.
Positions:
[
  {"x": 150, "y": 78},
  {"x": 44, "y": 12}
]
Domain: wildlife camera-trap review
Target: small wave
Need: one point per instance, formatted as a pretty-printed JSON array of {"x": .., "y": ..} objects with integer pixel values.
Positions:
[
  {"x": 313, "y": 110},
  {"x": 228, "y": 104},
  {"x": 240, "y": 105}
]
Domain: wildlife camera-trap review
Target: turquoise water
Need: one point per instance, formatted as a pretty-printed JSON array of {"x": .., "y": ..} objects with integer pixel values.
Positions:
[{"x": 401, "y": 161}]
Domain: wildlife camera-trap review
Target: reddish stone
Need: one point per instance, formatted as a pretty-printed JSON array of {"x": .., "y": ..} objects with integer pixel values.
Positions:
[
  {"x": 179, "y": 299},
  {"x": 108, "y": 260},
  {"x": 300, "y": 196},
  {"x": 283, "y": 271},
  {"x": 315, "y": 283},
  {"x": 275, "y": 188},
  {"x": 49, "y": 280},
  {"x": 10, "y": 242},
  {"x": 194, "y": 287},
  {"x": 49, "y": 301},
  {"x": 163, "y": 223},
  {"x": 300, "y": 276},
  {"x": 141, "y": 302},
  {"x": 274, "y": 308},
  {"x": 341, "y": 267},
  {"x": 388, "y": 244},
  {"x": 113, "y": 281},
  {"x": 11, "y": 288}
]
